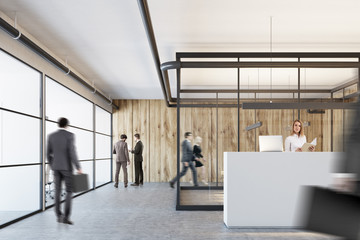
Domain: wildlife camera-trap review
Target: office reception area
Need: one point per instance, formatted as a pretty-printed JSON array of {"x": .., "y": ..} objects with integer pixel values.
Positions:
[{"x": 211, "y": 90}]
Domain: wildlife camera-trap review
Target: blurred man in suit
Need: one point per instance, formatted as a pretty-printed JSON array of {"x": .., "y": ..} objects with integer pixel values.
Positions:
[
  {"x": 138, "y": 158},
  {"x": 122, "y": 159},
  {"x": 187, "y": 160},
  {"x": 348, "y": 177},
  {"x": 61, "y": 154}
]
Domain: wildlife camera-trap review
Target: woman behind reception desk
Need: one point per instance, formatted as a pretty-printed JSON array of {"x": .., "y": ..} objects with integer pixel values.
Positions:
[{"x": 294, "y": 142}]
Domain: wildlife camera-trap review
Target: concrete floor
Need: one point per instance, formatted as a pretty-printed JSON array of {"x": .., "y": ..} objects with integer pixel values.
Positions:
[{"x": 146, "y": 212}]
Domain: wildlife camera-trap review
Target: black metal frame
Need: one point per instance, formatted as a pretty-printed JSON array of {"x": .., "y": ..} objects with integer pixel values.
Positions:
[
  {"x": 277, "y": 104},
  {"x": 180, "y": 64},
  {"x": 289, "y": 104}
]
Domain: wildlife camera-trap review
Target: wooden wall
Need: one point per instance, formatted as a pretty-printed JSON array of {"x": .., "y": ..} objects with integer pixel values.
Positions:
[{"x": 157, "y": 126}]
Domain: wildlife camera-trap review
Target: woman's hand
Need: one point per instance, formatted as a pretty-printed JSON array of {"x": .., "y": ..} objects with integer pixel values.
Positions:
[
  {"x": 312, "y": 148},
  {"x": 298, "y": 150}
]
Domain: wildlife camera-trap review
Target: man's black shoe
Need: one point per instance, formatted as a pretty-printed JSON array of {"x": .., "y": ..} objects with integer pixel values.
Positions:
[
  {"x": 116, "y": 185},
  {"x": 67, "y": 221},
  {"x": 171, "y": 184},
  {"x": 134, "y": 184}
]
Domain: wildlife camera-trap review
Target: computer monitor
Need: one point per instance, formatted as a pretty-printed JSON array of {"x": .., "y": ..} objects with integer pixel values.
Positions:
[{"x": 271, "y": 143}]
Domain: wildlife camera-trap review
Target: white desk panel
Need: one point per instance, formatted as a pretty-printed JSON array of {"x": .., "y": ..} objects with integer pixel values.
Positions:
[{"x": 262, "y": 189}]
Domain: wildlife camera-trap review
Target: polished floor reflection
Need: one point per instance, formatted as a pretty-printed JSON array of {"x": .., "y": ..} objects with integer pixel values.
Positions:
[
  {"x": 146, "y": 212},
  {"x": 202, "y": 197}
]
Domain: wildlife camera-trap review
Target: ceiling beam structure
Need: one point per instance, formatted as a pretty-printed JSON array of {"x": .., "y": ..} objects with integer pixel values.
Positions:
[
  {"x": 145, "y": 15},
  {"x": 16, "y": 34},
  {"x": 299, "y": 60}
]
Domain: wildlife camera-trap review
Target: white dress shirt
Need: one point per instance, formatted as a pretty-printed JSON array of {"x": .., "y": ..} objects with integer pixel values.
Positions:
[{"x": 294, "y": 142}]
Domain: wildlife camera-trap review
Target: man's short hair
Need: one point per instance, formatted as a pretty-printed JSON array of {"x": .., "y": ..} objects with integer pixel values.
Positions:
[
  {"x": 137, "y": 135},
  {"x": 123, "y": 136},
  {"x": 188, "y": 134},
  {"x": 63, "y": 122}
]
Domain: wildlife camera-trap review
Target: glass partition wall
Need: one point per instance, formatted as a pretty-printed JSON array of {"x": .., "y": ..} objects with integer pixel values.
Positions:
[
  {"x": 210, "y": 104},
  {"x": 26, "y": 181},
  {"x": 20, "y": 139}
]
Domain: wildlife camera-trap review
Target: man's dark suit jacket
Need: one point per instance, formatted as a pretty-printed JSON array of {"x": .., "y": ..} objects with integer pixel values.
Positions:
[
  {"x": 139, "y": 147},
  {"x": 61, "y": 152},
  {"x": 187, "y": 151}
]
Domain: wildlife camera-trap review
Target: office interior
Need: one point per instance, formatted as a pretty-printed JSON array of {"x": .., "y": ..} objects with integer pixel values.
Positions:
[{"x": 135, "y": 69}]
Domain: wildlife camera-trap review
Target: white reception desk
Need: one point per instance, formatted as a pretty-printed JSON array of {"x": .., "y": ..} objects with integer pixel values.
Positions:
[{"x": 261, "y": 189}]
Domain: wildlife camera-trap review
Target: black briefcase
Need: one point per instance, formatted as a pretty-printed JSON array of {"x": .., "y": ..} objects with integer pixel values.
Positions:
[
  {"x": 331, "y": 212},
  {"x": 80, "y": 182}
]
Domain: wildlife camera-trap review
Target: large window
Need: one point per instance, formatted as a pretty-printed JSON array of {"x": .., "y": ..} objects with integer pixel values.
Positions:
[
  {"x": 22, "y": 141},
  {"x": 62, "y": 102},
  {"x": 103, "y": 146},
  {"x": 19, "y": 86},
  {"x": 20, "y": 191}
]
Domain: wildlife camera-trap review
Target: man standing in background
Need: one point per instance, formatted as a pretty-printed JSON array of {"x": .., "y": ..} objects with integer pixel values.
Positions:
[
  {"x": 138, "y": 159},
  {"x": 122, "y": 159},
  {"x": 61, "y": 155}
]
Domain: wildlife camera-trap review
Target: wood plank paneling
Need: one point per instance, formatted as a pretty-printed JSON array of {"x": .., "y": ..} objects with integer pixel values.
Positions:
[
  {"x": 214, "y": 150},
  {"x": 157, "y": 126},
  {"x": 313, "y": 130},
  {"x": 227, "y": 136},
  {"x": 326, "y": 126},
  {"x": 140, "y": 126},
  {"x": 247, "y": 138},
  {"x": 155, "y": 141},
  {"x": 338, "y": 130}
]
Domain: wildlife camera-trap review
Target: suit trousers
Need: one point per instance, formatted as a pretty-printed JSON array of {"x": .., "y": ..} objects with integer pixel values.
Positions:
[
  {"x": 139, "y": 174},
  {"x": 184, "y": 170},
  {"x": 63, "y": 175},
  {"x": 123, "y": 165}
]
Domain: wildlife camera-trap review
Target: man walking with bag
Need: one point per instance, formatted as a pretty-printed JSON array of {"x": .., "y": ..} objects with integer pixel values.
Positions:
[
  {"x": 187, "y": 160},
  {"x": 61, "y": 155}
]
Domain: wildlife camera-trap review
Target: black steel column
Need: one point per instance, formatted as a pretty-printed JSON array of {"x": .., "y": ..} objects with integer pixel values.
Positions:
[
  {"x": 343, "y": 122},
  {"x": 332, "y": 126},
  {"x": 178, "y": 86},
  {"x": 42, "y": 144},
  {"x": 298, "y": 117},
  {"x": 358, "y": 84},
  {"x": 217, "y": 139},
  {"x": 112, "y": 144},
  {"x": 255, "y": 118},
  {"x": 238, "y": 107},
  {"x": 94, "y": 146}
]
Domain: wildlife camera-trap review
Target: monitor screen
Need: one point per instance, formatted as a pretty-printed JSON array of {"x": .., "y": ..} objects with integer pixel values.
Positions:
[{"x": 271, "y": 143}]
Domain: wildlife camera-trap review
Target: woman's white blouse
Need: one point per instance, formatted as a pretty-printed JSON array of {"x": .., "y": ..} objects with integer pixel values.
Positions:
[{"x": 293, "y": 142}]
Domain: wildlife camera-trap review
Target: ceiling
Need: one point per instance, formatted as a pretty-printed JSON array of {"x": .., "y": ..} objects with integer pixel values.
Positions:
[{"x": 106, "y": 42}]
